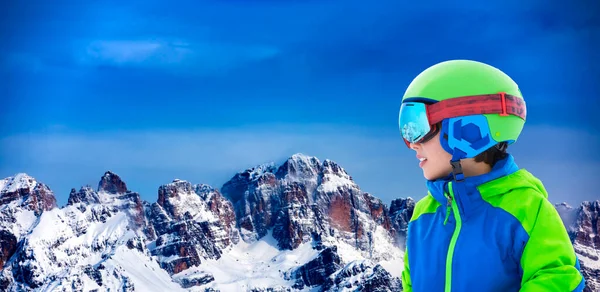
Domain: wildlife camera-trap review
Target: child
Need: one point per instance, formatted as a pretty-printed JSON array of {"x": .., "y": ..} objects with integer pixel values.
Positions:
[{"x": 485, "y": 224}]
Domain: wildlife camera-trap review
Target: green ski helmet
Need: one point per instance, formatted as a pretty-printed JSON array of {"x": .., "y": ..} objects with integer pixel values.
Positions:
[{"x": 477, "y": 106}]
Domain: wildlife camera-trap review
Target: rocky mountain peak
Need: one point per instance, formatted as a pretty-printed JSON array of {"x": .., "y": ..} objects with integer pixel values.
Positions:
[
  {"x": 85, "y": 195},
  {"x": 26, "y": 192},
  {"x": 299, "y": 167},
  {"x": 22, "y": 201},
  {"x": 17, "y": 182},
  {"x": 588, "y": 221},
  {"x": 111, "y": 183},
  {"x": 401, "y": 210},
  {"x": 331, "y": 167},
  {"x": 178, "y": 198},
  {"x": 205, "y": 191},
  {"x": 307, "y": 197}
]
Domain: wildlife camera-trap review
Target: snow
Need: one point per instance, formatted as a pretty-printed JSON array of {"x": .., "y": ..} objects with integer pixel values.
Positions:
[
  {"x": 19, "y": 181},
  {"x": 306, "y": 169},
  {"x": 584, "y": 253},
  {"x": 335, "y": 177},
  {"x": 259, "y": 170},
  {"x": 107, "y": 198},
  {"x": 187, "y": 200},
  {"x": 14, "y": 218},
  {"x": 353, "y": 266},
  {"x": 145, "y": 274},
  {"x": 257, "y": 264},
  {"x": 24, "y": 221},
  {"x": 89, "y": 284},
  {"x": 346, "y": 252},
  {"x": 332, "y": 182},
  {"x": 302, "y": 158},
  {"x": 125, "y": 265},
  {"x": 3, "y": 183},
  {"x": 394, "y": 267},
  {"x": 381, "y": 248},
  {"x": 55, "y": 244}
]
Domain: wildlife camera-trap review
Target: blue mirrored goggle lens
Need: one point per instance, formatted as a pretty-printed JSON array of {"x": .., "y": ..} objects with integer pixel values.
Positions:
[{"x": 413, "y": 121}]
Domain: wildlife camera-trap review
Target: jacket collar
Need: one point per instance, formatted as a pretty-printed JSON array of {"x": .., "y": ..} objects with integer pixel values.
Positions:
[{"x": 467, "y": 196}]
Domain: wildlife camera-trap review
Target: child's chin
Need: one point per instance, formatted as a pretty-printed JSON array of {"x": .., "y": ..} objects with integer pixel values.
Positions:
[{"x": 429, "y": 176}]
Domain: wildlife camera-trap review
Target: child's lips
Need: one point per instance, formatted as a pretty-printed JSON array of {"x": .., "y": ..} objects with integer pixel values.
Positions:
[{"x": 422, "y": 160}]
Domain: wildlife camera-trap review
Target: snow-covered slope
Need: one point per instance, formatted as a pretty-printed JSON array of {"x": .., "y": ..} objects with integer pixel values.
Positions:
[{"x": 81, "y": 240}]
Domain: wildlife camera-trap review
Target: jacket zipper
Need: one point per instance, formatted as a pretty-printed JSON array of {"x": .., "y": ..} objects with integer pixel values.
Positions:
[{"x": 449, "y": 257}]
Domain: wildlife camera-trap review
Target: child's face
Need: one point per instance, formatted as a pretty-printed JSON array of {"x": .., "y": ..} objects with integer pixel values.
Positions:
[{"x": 437, "y": 160}]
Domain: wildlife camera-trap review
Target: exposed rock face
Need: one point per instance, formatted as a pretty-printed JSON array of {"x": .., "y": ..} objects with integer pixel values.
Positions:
[
  {"x": 401, "y": 210},
  {"x": 86, "y": 195},
  {"x": 317, "y": 271},
  {"x": 112, "y": 184},
  {"x": 304, "y": 196},
  {"x": 362, "y": 276},
  {"x": 83, "y": 240},
  {"x": 22, "y": 201},
  {"x": 588, "y": 221},
  {"x": 583, "y": 225},
  {"x": 25, "y": 192},
  {"x": 255, "y": 197},
  {"x": 192, "y": 223},
  {"x": 8, "y": 246}
]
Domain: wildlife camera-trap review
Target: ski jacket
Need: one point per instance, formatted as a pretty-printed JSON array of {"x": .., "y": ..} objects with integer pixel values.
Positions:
[{"x": 498, "y": 233}]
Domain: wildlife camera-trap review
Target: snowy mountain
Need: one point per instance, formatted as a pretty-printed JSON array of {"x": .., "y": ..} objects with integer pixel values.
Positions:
[
  {"x": 304, "y": 225},
  {"x": 304, "y": 198},
  {"x": 583, "y": 225},
  {"x": 22, "y": 201}
]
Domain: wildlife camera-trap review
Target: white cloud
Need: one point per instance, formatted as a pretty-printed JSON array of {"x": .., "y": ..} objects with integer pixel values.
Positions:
[
  {"x": 126, "y": 51},
  {"x": 198, "y": 57}
]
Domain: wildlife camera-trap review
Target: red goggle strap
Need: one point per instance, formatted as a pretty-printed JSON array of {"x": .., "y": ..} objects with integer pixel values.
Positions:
[{"x": 499, "y": 103}]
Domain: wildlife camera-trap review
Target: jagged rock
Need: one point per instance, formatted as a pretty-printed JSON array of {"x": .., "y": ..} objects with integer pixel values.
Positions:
[
  {"x": 362, "y": 276},
  {"x": 304, "y": 196},
  {"x": 192, "y": 223},
  {"x": 8, "y": 246},
  {"x": 27, "y": 193},
  {"x": 318, "y": 270},
  {"x": 111, "y": 183},
  {"x": 401, "y": 211},
  {"x": 196, "y": 281},
  {"x": 61, "y": 247},
  {"x": 22, "y": 201},
  {"x": 254, "y": 194},
  {"x": 86, "y": 195},
  {"x": 583, "y": 226}
]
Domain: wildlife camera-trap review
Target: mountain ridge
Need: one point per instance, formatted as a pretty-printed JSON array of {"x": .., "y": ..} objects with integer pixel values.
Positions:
[{"x": 304, "y": 224}]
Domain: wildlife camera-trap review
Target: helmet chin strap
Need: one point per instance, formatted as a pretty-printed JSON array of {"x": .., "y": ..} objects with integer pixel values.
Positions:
[
  {"x": 459, "y": 188},
  {"x": 457, "y": 171}
]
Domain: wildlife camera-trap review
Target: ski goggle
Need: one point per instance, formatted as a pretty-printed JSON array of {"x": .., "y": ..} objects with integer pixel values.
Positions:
[
  {"x": 414, "y": 122},
  {"x": 418, "y": 120}
]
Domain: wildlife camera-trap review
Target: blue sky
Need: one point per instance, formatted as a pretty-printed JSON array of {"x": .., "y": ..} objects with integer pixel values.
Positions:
[{"x": 156, "y": 92}]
